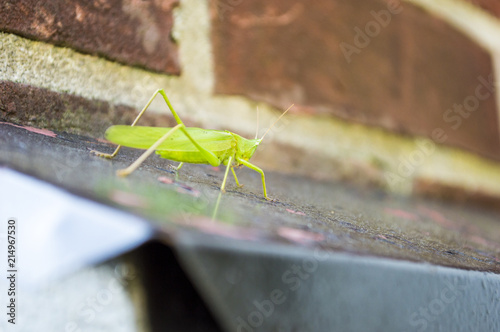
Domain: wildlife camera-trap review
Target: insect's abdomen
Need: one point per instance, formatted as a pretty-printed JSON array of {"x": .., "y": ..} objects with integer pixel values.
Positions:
[{"x": 193, "y": 157}]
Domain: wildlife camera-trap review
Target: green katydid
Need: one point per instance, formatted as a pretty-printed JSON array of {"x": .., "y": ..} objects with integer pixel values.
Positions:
[{"x": 186, "y": 144}]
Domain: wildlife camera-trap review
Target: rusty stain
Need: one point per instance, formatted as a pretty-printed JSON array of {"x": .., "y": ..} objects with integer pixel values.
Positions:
[
  {"x": 299, "y": 236},
  {"x": 127, "y": 199},
  {"x": 480, "y": 240},
  {"x": 296, "y": 212},
  {"x": 401, "y": 213},
  {"x": 209, "y": 226},
  {"x": 44, "y": 132},
  {"x": 437, "y": 217},
  {"x": 164, "y": 179}
]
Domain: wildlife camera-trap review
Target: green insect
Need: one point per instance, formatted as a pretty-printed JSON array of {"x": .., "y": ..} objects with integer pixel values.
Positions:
[{"x": 186, "y": 144}]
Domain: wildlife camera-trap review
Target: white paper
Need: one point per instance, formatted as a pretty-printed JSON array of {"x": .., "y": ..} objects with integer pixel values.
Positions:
[{"x": 58, "y": 232}]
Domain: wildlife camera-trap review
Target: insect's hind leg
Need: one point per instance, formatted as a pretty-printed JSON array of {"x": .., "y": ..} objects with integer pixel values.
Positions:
[
  {"x": 211, "y": 158},
  {"x": 112, "y": 155},
  {"x": 209, "y": 155},
  {"x": 258, "y": 170},
  {"x": 174, "y": 113},
  {"x": 147, "y": 153}
]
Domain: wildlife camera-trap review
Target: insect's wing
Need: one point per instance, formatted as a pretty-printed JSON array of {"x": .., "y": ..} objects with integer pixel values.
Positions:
[
  {"x": 143, "y": 137},
  {"x": 212, "y": 140},
  {"x": 135, "y": 137}
]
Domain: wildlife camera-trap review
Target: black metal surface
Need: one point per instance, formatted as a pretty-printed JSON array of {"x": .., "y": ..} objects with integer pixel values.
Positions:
[{"x": 282, "y": 288}]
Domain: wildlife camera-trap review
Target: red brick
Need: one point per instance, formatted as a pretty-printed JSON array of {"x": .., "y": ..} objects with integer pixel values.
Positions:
[
  {"x": 133, "y": 32},
  {"x": 405, "y": 80},
  {"x": 41, "y": 108}
]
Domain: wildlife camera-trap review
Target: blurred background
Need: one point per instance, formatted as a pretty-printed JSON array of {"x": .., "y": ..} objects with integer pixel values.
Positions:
[{"x": 394, "y": 137}]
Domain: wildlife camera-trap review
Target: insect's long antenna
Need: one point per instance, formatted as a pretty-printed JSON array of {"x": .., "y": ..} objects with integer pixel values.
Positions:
[
  {"x": 282, "y": 114},
  {"x": 257, "y": 131}
]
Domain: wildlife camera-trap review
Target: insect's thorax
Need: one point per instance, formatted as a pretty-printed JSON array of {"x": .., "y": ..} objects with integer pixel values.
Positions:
[{"x": 245, "y": 148}]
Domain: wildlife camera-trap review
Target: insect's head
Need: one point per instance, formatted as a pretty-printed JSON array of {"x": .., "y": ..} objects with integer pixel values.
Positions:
[{"x": 247, "y": 147}]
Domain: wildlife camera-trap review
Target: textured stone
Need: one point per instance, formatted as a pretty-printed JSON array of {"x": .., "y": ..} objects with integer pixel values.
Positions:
[
  {"x": 129, "y": 31},
  {"x": 400, "y": 68}
]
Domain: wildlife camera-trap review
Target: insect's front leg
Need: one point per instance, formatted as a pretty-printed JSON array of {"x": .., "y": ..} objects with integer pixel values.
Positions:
[
  {"x": 236, "y": 178},
  {"x": 258, "y": 170},
  {"x": 223, "y": 186},
  {"x": 176, "y": 168}
]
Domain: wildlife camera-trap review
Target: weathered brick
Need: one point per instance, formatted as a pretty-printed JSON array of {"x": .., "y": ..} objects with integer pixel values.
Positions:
[
  {"x": 405, "y": 74},
  {"x": 42, "y": 108},
  {"x": 129, "y": 31}
]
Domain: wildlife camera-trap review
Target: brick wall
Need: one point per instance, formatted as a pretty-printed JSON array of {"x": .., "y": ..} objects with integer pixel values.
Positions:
[
  {"x": 130, "y": 32},
  {"x": 400, "y": 94},
  {"x": 376, "y": 62}
]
